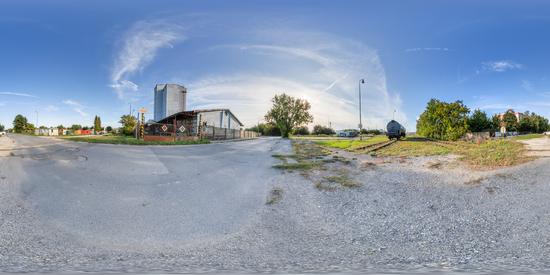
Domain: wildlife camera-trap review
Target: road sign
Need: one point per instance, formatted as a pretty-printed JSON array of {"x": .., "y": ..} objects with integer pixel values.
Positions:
[
  {"x": 143, "y": 110},
  {"x": 360, "y": 126},
  {"x": 164, "y": 128},
  {"x": 182, "y": 128}
]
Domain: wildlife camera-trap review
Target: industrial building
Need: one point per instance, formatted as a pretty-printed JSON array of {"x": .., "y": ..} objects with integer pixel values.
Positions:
[
  {"x": 170, "y": 104},
  {"x": 171, "y": 118},
  {"x": 220, "y": 118},
  {"x": 169, "y": 99}
]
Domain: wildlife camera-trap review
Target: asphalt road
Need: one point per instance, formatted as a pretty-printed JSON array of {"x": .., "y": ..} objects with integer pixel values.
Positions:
[{"x": 130, "y": 197}]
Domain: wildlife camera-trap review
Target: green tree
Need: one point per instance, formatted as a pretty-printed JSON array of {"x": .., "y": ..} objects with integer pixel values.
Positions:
[
  {"x": 322, "y": 130},
  {"x": 261, "y": 127},
  {"x": 76, "y": 127},
  {"x": 288, "y": 113},
  {"x": 1, "y": 127},
  {"x": 29, "y": 128},
  {"x": 19, "y": 124},
  {"x": 109, "y": 129},
  {"x": 495, "y": 124},
  {"x": 479, "y": 122},
  {"x": 271, "y": 129},
  {"x": 97, "y": 124},
  {"x": 128, "y": 122},
  {"x": 511, "y": 122},
  {"x": 59, "y": 127},
  {"x": 442, "y": 120},
  {"x": 85, "y": 128},
  {"x": 302, "y": 130},
  {"x": 524, "y": 124},
  {"x": 538, "y": 123}
]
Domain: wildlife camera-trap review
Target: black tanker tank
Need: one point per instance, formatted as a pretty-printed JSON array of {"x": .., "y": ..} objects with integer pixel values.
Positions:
[{"x": 395, "y": 130}]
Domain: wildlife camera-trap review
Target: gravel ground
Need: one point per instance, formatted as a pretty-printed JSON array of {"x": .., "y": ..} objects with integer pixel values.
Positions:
[{"x": 419, "y": 214}]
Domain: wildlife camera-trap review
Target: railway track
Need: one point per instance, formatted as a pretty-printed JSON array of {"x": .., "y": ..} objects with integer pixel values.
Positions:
[{"x": 375, "y": 146}]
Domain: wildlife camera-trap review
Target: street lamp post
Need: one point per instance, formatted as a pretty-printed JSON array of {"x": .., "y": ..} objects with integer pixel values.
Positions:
[
  {"x": 130, "y": 108},
  {"x": 360, "y": 122},
  {"x": 37, "y": 123}
]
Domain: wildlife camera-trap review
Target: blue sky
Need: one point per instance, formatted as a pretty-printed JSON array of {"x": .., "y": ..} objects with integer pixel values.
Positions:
[{"x": 73, "y": 60}]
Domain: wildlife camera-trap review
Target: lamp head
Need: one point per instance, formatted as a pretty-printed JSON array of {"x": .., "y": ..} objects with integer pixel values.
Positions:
[{"x": 362, "y": 81}]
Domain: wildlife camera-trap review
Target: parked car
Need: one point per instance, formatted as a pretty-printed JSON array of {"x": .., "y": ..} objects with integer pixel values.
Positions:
[
  {"x": 546, "y": 133},
  {"x": 2, "y": 133},
  {"x": 101, "y": 133}
]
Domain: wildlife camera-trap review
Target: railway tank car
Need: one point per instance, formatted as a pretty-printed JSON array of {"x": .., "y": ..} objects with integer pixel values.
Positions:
[{"x": 395, "y": 130}]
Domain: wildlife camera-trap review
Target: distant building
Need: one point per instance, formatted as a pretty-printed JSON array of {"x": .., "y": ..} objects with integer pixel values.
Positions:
[
  {"x": 519, "y": 116},
  {"x": 46, "y": 132},
  {"x": 169, "y": 99}
]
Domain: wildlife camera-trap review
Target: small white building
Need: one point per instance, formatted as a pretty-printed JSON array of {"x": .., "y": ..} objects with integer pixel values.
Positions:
[{"x": 46, "y": 132}]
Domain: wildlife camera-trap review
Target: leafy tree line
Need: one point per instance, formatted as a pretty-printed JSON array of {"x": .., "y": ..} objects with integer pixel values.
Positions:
[
  {"x": 266, "y": 129},
  {"x": 272, "y": 130},
  {"x": 530, "y": 122},
  {"x": 449, "y": 121}
]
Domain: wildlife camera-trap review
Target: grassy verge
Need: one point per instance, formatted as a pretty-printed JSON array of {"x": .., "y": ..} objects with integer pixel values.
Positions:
[
  {"x": 489, "y": 155},
  {"x": 130, "y": 141},
  {"x": 414, "y": 147},
  {"x": 529, "y": 136}
]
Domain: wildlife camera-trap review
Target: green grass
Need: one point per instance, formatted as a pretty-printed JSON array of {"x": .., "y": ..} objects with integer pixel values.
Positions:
[
  {"x": 414, "y": 147},
  {"x": 529, "y": 136},
  {"x": 351, "y": 144},
  {"x": 491, "y": 154},
  {"x": 299, "y": 166},
  {"x": 130, "y": 141},
  {"x": 276, "y": 195},
  {"x": 341, "y": 144},
  {"x": 343, "y": 180}
]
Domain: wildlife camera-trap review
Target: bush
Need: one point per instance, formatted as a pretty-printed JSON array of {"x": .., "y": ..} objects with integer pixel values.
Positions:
[
  {"x": 322, "y": 130},
  {"x": 271, "y": 130},
  {"x": 304, "y": 131}
]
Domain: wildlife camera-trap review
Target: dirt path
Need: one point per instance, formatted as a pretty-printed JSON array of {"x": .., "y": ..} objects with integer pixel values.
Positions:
[{"x": 538, "y": 146}]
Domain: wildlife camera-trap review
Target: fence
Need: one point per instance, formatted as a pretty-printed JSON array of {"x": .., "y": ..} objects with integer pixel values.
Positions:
[
  {"x": 183, "y": 132},
  {"x": 215, "y": 133}
]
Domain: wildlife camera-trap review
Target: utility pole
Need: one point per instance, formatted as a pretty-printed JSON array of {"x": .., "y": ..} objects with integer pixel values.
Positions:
[{"x": 360, "y": 123}]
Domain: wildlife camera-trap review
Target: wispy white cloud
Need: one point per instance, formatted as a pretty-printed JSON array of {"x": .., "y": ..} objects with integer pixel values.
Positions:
[
  {"x": 140, "y": 45},
  {"x": 2, "y": 103},
  {"x": 500, "y": 66},
  {"x": 543, "y": 78},
  {"x": 77, "y": 107},
  {"x": 322, "y": 68},
  {"x": 497, "y": 106},
  {"x": 18, "y": 94},
  {"x": 52, "y": 108},
  {"x": 527, "y": 85},
  {"x": 426, "y": 49}
]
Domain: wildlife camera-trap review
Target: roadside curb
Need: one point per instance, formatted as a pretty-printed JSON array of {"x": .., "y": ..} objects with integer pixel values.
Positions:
[{"x": 234, "y": 140}]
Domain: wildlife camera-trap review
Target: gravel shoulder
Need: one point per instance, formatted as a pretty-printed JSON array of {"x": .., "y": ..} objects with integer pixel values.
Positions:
[{"x": 408, "y": 215}]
